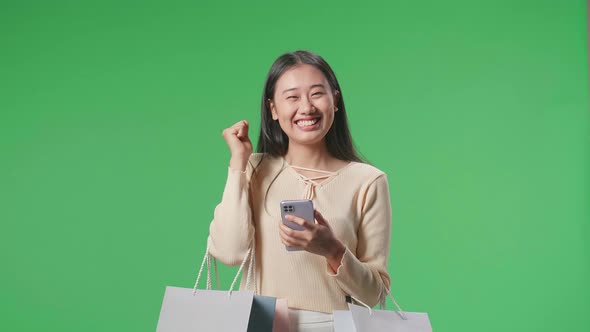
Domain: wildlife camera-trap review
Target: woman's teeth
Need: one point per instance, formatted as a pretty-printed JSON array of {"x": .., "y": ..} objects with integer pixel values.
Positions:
[{"x": 307, "y": 123}]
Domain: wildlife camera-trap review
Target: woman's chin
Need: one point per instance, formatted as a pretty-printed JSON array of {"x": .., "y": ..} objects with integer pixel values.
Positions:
[{"x": 308, "y": 138}]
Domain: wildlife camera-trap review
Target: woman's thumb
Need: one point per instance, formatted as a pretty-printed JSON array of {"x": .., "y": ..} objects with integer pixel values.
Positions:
[{"x": 319, "y": 218}]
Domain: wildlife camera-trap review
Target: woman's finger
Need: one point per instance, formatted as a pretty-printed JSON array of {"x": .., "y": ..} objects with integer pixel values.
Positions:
[
  {"x": 300, "y": 221},
  {"x": 241, "y": 128},
  {"x": 229, "y": 134},
  {"x": 293, "y": 233},
  {"x": 290, "y": 241}
]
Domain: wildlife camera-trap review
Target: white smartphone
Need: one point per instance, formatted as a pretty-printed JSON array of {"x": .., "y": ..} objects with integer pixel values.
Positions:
[{"x": 299, "y": 208}]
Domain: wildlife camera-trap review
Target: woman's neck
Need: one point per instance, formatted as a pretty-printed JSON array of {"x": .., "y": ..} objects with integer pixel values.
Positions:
[{"x": 310, "y": 156}]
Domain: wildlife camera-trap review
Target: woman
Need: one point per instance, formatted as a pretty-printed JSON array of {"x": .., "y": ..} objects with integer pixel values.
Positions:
[{"x": 305, "y": 151}]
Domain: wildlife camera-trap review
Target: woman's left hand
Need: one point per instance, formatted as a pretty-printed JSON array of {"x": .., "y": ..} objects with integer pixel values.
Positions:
[{"x": 314, "y": 238}]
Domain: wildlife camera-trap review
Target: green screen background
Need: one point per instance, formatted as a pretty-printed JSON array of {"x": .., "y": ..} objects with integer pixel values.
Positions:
[{"x": 112, "y": 159}]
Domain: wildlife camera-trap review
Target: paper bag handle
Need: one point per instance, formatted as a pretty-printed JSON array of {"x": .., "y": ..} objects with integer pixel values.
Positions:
[
  {"x": 382, "y": 304},
  {"x": 207, "y": 259}
]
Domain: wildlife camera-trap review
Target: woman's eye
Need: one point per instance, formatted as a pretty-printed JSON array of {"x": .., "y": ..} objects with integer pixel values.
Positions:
[
  {"x": 317, "y": 93},
  {"x": 292, "y": 97}
]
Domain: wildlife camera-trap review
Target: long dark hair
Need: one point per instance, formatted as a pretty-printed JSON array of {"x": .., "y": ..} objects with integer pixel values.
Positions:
[{"x": 273, "y": 141}]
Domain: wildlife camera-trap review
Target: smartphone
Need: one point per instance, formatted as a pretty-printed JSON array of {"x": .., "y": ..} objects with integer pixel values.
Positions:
[{"x": 299, "y": 208}]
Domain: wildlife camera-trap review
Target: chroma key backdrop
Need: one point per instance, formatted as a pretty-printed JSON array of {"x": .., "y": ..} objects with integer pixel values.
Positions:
[{"x": 112, "y": 160}]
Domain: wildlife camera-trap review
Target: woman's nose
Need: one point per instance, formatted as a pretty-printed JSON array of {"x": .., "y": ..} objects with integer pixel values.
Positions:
[{"x": 307, "y": 105}]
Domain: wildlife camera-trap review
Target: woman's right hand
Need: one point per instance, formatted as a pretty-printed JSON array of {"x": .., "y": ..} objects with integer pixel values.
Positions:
[{"x": 239, "y": 144}]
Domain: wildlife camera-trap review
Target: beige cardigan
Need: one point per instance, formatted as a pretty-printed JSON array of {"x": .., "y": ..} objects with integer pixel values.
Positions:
[{"x": 354, "y": 201}]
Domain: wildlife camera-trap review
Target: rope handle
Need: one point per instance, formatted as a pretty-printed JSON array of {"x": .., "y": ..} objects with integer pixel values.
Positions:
[
  {"x": 382, "y": 304},
  {"x": 207, "y": 258}
]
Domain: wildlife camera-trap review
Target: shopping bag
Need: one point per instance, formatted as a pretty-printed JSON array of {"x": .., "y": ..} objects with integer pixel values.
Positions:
[
  {"x": 384, "y": 320},
  {"x": 281, "y": 321},
  {"x": 262, "y": 314},
  {"x": 207, "y": 310},
  {"x": 185, "y": 309},
  {"x": 263, "y": 310},
  {"x": 363, "y": 319},
  {"x": 343, "y": 321}
]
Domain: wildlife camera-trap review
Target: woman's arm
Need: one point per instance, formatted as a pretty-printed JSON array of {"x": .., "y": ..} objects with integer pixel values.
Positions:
[
  {"x": 231, "y": 230},
  {"x": 363, "y": 274}
]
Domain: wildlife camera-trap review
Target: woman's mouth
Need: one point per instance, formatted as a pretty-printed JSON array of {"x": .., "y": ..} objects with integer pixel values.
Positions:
[{"x": 308, "y": 124}]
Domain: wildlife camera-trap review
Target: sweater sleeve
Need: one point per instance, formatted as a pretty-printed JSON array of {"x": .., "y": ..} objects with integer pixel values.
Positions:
[
  {"x": 231, "y": 229},
  {"x": 363, "y": 274}
]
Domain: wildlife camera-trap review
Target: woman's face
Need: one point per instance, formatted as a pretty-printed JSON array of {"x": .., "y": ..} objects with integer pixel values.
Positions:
[{"x": 303, "y": 104}]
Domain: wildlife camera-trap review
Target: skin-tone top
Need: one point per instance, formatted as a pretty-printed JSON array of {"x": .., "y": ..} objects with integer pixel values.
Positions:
[{"x": 354, "y": 200}]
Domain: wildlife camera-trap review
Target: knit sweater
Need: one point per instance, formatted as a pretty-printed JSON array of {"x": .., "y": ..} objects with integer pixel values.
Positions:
[{"x": 354, "y": 201}]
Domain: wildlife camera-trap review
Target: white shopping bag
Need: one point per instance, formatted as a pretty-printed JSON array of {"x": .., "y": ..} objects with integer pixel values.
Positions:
[
  {"x": 189, "y": 310},
  {"x": 207, "y": 310},
  {"x": 383, "y": 320},
  {"x": 343, "y": 321},
  {"x": 364, "y": 319}
]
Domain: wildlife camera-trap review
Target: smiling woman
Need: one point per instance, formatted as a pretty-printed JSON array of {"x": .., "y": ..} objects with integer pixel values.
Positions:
[
  {"x": 344, "y": 251},
  {"x": 296, "y": 79},
  {"x": 307, "y": 102}
]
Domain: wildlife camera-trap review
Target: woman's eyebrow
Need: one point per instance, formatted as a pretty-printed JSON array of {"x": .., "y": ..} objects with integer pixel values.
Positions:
[
  {"x": 319, "y": 85},
  {"x": 287, "y": 90}
]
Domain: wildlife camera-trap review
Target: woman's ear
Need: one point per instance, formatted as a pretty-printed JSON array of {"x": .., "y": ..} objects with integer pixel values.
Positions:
[
  {"x": 336, "y": 100},
  {"x": 273, "y": 111}
]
